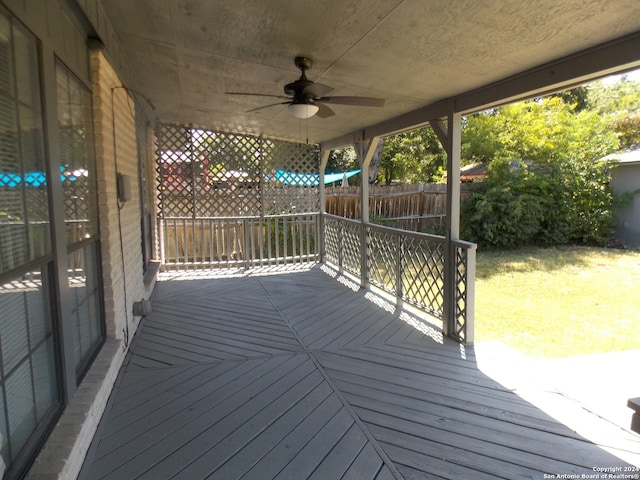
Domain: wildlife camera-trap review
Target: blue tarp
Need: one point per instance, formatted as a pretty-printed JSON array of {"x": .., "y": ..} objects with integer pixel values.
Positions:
[
  {"x": 38, "y": 179},
  {"x": 311, "y": 179},
  {"x": 31, "y": 179}
]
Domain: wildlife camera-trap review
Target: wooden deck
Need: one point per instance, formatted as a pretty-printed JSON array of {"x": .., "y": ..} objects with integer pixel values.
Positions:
[{"x": 296, "y": 375}]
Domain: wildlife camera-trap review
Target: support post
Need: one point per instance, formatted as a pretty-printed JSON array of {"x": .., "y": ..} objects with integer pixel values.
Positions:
[
  {"x": 365, "y": 150},
  {"x": 452, "y": 143},
  {"x": 324, "y": 158}
]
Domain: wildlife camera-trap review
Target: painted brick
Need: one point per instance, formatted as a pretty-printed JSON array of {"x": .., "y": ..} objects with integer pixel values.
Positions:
[{"x": 114, "y": 107}]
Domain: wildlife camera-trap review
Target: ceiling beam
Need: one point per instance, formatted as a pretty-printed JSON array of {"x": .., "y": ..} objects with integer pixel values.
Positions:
[
  {"x": 614, "y": 57},
  {"x": 609, "y": 58}
]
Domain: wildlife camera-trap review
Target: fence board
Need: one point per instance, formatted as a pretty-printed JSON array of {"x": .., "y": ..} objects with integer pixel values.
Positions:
[{"x": 419, "y": 207}]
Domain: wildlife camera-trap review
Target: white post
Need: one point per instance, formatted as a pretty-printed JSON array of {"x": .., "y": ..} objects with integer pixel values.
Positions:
[
  {"x": 452, "y": 232},
  {"x": 324, "y": 158},
  {"x": 364, "y": 150}
]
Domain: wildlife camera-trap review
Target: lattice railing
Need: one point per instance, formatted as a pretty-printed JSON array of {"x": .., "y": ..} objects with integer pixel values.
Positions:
[
  {"x": 203, "y": 173},
  {"x": 383, "y": 259},
  {"x": 464, "y": 292},
  {"x": 217, "y": 191},
  {"x": 343, "y": 240},
  {"x": 422, "y": 262},
  {"x": 408, "y": 265}
]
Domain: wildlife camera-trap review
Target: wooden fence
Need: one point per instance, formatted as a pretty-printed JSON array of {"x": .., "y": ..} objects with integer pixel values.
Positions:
[{"x": 417, "y": 207}]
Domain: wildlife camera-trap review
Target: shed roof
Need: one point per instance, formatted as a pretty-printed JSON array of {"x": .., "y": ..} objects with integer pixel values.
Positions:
[{"x": 628, "y": 156}]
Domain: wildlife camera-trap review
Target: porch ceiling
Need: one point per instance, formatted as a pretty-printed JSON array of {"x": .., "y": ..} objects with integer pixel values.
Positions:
[{"x": 185, "y": 54}]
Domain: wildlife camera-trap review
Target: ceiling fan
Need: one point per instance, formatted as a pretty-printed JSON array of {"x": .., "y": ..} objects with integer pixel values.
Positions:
[{"x": 306, "y": 98}]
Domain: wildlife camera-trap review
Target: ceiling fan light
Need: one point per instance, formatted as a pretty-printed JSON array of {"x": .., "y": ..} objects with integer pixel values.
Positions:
[{"x": 303, "y": 110}]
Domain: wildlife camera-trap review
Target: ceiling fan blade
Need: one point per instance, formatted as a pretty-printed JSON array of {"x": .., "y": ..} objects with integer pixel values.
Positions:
[
  {"x": 267, "y": 106},
  {"x": 356, "y": 101},
  {"x": 324, "y": 111},
  {"x": 316, "y": 90},
  {"x": 258, "y": 95}
]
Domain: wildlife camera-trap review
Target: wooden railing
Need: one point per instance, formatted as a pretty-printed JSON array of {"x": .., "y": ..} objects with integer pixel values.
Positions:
[
  {"x": 239, "y": 241},
  {"x": 411, "y": 266}
]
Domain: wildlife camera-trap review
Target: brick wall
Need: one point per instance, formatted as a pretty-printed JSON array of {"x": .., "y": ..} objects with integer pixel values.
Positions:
[{"x": 116, "y": 152}]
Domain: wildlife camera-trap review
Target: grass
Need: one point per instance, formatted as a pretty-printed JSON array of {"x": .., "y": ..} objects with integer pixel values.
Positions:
[{"x": 559, "y": 302}]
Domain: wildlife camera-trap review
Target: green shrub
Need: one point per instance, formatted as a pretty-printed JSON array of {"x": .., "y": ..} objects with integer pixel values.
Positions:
[
  {"x": 544, "y": 206},
  {"x": 504, "y": 212}
]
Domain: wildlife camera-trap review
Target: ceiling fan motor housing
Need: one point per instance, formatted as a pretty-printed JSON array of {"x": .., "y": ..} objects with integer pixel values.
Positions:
[{"x": 296, "y": 89}]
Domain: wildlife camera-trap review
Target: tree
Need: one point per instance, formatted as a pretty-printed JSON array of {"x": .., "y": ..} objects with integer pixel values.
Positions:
[
  {"x": 577, "y": 96},
  {"x": 341, "y": 160},
  {"x": 545, "y": 183},
  {"x": 619, "y": 103},
  {"x": 412, "y": 157},
  {"x": 374, "y": 166}
]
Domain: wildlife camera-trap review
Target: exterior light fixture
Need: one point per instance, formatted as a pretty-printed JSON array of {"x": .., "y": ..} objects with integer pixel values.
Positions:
[{"x": 303, "y": 110}]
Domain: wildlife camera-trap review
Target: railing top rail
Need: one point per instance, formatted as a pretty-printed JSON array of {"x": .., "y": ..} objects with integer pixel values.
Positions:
[
  {"x": 413, "y": 217},
  {"x": 464, "y": 244},
  {"x": 339, "y": 217},
  {"x": 243, "y": 217},
  {"x": 408, "y": 233},
  {"x": 384, "y": 194},
  {"x": 397, "y": 231}
]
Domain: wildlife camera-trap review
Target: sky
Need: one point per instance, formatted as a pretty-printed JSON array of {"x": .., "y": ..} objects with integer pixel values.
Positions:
[{"x": 632, "y": 75}]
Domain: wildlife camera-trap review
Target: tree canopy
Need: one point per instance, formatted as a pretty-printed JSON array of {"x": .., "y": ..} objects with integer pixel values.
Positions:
[
  {"x": 412, "y": 157},
  {"x": 546, "y": 184}
]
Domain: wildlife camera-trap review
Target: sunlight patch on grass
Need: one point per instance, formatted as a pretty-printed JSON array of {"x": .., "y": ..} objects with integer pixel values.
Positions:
[{"x": 559, "y": 302}]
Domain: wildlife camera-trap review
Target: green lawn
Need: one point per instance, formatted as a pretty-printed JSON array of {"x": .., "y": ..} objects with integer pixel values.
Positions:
[{"x": 559, "y": 302}]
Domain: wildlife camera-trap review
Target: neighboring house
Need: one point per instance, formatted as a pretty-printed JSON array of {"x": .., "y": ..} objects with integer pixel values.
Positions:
[
  {"x": 625, "y": 178},
  {"x": 474, "y": 171}
]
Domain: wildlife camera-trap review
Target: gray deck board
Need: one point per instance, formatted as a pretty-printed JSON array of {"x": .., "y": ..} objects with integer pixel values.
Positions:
[{"x": 297, "y": 375}]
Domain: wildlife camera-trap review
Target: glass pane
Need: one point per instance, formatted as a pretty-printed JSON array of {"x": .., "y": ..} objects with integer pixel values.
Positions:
[
  {"x": 13, "y": 234},
  {"x": 34, "y": 184},
  {"x": 29, "y": 383},
  {"x": 24, "y": 211},
  {"x": 76, "y": 147},
  {"x": 31, "y": 137},
  {"x": 13, "y": 326},
  {"x": 20, "y": 405},
  {"x": 85, "y": 309},
  {"x": 26, "y": 67},
  {"x": 6, "y": 62},
  {"x": 44, "y": 378},
  {"x": 39, "y": 319}
]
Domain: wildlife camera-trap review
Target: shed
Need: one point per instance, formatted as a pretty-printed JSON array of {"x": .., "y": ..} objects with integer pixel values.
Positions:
[{"x": 625, "y": 178}]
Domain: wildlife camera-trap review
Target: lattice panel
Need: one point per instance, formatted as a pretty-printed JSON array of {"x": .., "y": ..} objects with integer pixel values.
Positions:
[
  {"x": 292, "y": 173},
  {"x": 202, "y": 173},
  {"x": 461, "y": 294},
  {"x": 351, "y": 247},
  {"x": 423, "y": 274},
  {"x": 77, "y": 207},
  {"x": 382, "y": 253},
  {"x": 332, "y": 237}
]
